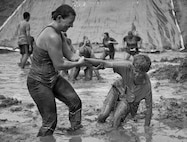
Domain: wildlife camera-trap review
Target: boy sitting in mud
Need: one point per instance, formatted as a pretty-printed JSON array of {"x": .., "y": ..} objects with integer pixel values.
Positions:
[{"x": 127, "y": 92}]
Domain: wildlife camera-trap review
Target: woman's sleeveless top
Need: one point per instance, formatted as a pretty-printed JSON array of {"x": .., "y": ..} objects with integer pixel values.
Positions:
[{"x": 42, "y": 68}]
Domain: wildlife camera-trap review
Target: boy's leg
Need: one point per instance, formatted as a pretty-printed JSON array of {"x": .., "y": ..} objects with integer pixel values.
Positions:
[
  {"x": 65, "y": 93},
  {"x": 25, "y": 55},
  {"x": 122, "y": 110},
  {"x": 108, "y": 104}
]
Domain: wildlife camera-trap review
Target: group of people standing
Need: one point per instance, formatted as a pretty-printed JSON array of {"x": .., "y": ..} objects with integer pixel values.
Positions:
[{"x": 52, "y": 53}]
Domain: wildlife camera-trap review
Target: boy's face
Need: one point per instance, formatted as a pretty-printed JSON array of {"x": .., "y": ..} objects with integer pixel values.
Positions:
[{"x": 139, "y": 77}]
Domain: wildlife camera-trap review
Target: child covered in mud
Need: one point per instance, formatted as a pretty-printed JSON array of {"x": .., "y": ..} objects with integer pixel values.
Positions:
[{"x": 127, "y": 92}]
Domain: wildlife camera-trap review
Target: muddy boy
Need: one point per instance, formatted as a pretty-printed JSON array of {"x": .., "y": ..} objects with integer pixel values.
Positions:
[{"x": 127, "y": 92}]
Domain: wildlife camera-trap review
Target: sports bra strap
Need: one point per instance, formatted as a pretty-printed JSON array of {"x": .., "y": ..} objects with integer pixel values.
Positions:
[{"x": 54, "y": 29}]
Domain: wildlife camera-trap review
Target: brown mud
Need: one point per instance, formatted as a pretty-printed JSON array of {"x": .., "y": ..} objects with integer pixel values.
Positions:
[{"x": 20, "y": 119}]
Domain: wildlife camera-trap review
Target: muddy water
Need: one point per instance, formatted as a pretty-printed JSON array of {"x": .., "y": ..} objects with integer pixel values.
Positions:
[{"x": 23, "y": 125}]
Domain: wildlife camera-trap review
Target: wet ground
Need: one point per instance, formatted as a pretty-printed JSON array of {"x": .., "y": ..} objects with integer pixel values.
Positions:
[{"x": 20, "y": 120}]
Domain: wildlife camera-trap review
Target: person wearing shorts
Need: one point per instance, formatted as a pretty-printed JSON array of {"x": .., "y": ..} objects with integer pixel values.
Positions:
[
  {"x": 108, "y": 44},
  {"x": 24, "y": 38}
]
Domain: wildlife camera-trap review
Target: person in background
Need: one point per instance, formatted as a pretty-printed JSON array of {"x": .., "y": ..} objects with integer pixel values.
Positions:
[
  {"x": 24, "y": 39},
  {"x": 85, "y": 50},
  {"x": 127, "y": 92},
  {"x": 44, "y": 82},
  {"x": 31, "y": 47},
  {"x": 131, "y": 44},
  {"x": 108, "y": 44}
]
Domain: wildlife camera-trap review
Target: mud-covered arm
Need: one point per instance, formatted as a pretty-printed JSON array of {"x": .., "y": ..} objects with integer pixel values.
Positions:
[
  {"x": 27, "y": 28},
  {"x": 112, "y": 41},
  {"x": 148, "y": 103},
  {"x": 124, "y": 43},
  {"x": 109, "y": 64},
  {"x": 54, "y": 48},
  {"x": 97, "y": 62},
  {"x": 139, "y": 41},
  {"x": 68, "y": 54}
]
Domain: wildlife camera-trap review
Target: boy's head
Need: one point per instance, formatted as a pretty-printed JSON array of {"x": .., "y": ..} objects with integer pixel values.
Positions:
[
  {"x": 142, "y": 63},
  {"x": 106, "y": 35},
  {"x": 26, "y": 16}
]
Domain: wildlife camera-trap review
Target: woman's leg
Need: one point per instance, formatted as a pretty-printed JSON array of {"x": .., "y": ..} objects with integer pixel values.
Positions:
[
  {"x": 45, "y": 101},
  {"x": 65, "y": 93}
]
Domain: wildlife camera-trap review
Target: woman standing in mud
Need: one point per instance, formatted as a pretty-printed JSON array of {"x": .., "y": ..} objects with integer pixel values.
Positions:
[{"x": 44, "y": 83}]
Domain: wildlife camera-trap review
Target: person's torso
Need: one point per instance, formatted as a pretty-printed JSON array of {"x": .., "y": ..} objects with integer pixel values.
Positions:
[
  {"x": 22, "y": 33},
  {"x": 134, "y": 92},
  {"x": 85, "y": 51},
  {"x": 131, "y": 42},
  {"x": 42, "y": 68},
  {"x": 110, "y": 46}
]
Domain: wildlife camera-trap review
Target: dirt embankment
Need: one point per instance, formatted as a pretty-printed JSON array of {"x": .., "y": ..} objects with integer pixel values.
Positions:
[
  {"x": 20, "y": 120},
  {"x": 152, "y": 20},
  {"x": 172, "y": 111},
  {"x": 181, "y": 10},
  {"x": 7, "y": 7},
  {"x": 177, "y": 73}
]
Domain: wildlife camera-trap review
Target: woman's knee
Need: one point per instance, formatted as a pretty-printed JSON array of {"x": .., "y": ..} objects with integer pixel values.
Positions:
[{"x": 75, "y": 103}]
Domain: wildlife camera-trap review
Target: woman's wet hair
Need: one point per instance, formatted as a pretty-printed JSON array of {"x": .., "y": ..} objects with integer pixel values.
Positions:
[
  {"x": 142, "y": 63},
  {"x": 26, "y": 15},
  {"x": 64, "y": 10}
]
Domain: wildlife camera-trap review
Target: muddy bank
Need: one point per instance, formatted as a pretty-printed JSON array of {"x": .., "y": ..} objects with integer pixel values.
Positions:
[
  {"x": 7, "y": 7},
  {"x": 19, "y": 122},
  {"x": 98, "y": 16},
  {"x": 177, "y": 73}
]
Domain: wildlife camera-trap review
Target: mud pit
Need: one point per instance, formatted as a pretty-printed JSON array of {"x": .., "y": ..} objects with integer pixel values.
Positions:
[{"x": 19, "y": 122}]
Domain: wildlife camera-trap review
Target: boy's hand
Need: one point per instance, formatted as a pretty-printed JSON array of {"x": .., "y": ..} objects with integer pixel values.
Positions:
[{"x": 81, "y": 60}]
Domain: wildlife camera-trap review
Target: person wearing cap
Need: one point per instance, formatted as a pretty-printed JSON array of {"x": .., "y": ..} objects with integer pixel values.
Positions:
[
  {"x": 127, "y": 92},
  {"x": 131, "y": 44},
  {"x": 108, "y": 44}
]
